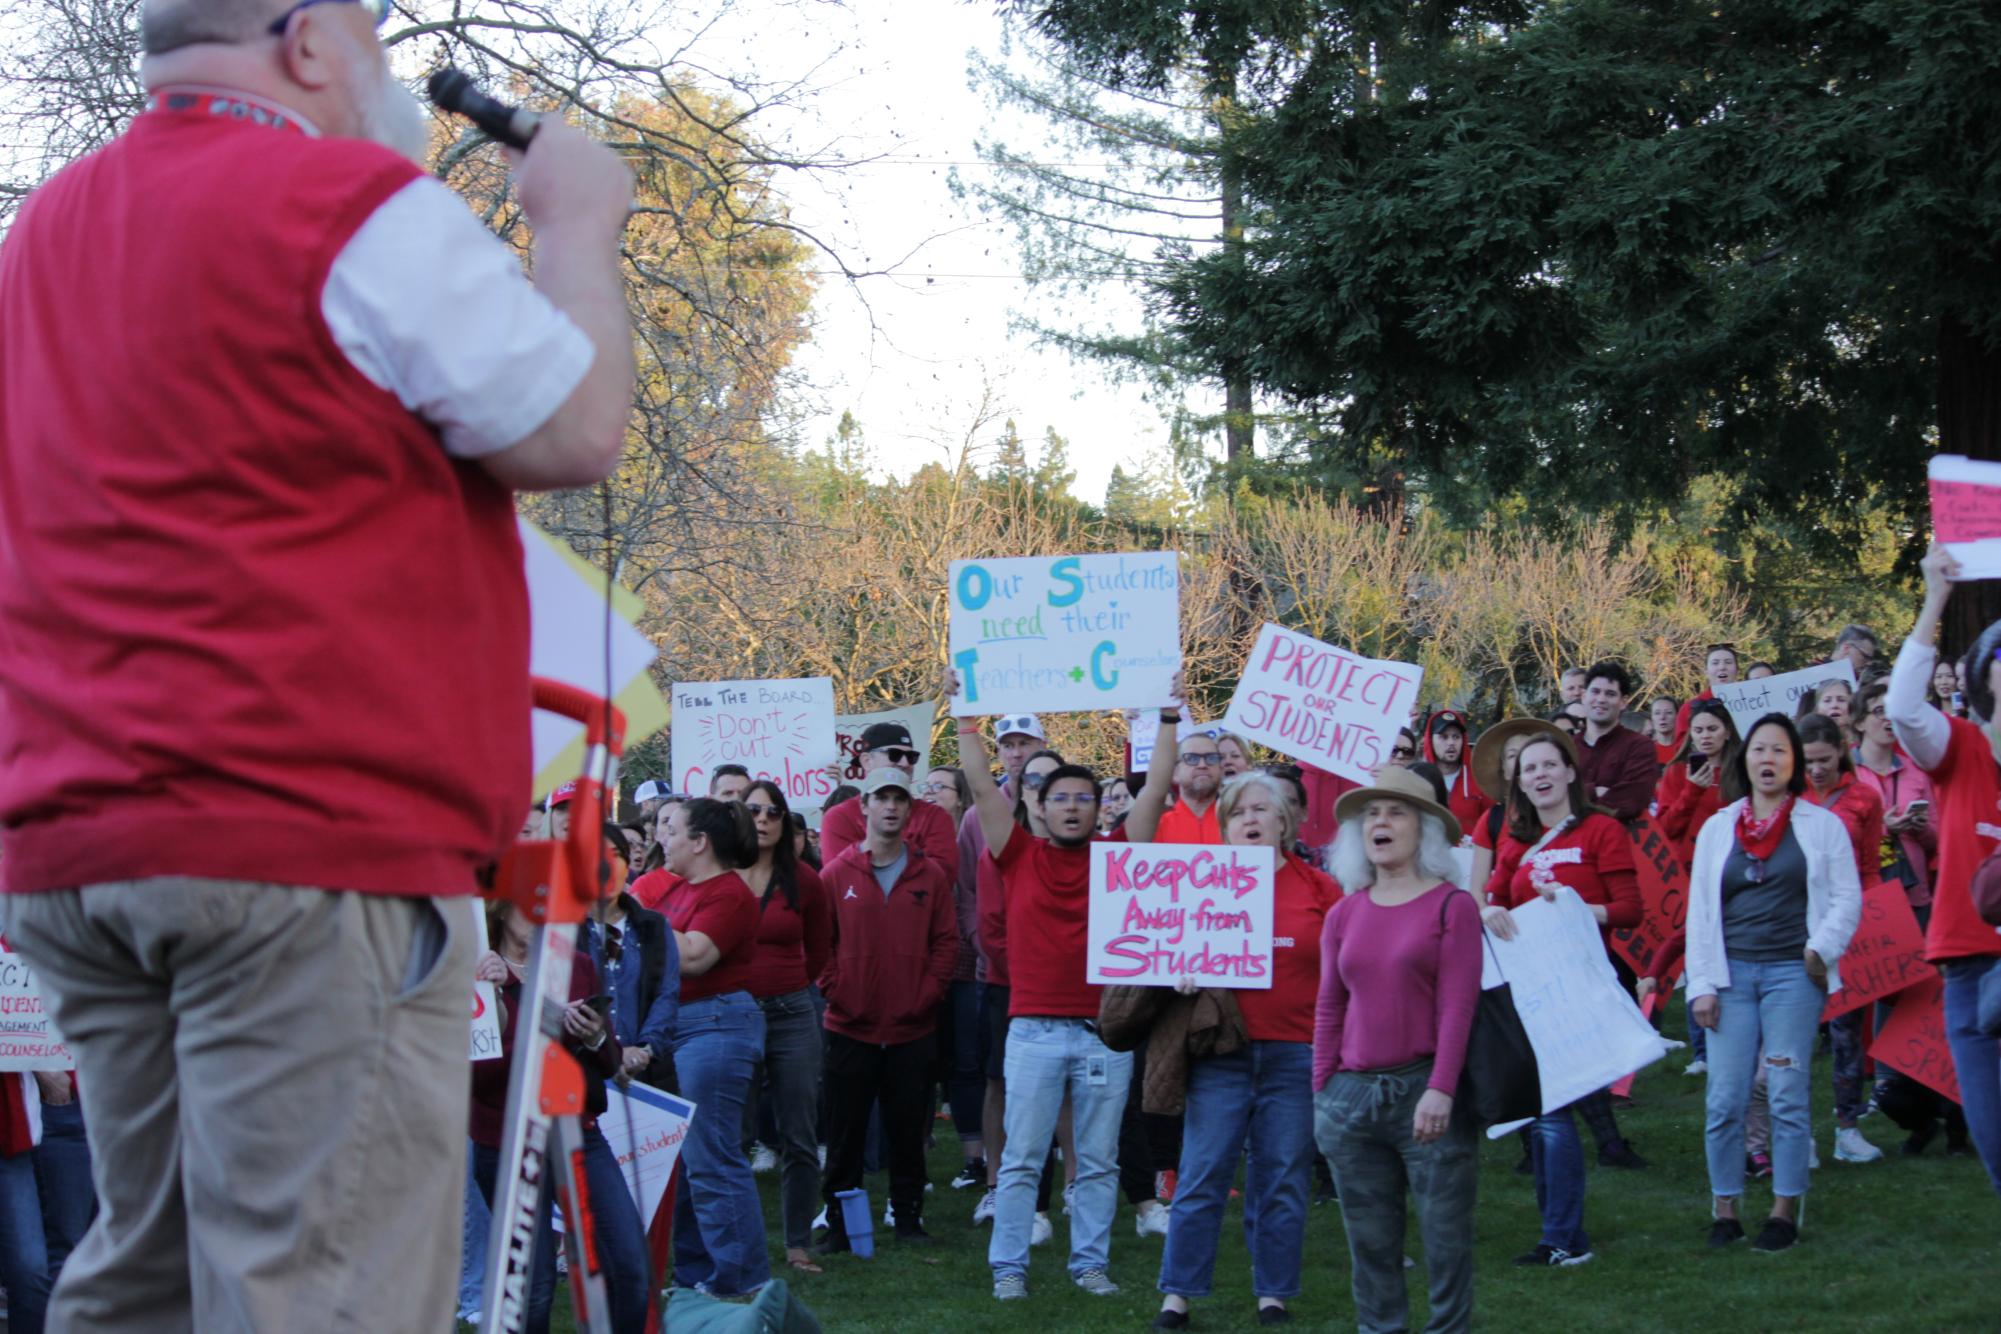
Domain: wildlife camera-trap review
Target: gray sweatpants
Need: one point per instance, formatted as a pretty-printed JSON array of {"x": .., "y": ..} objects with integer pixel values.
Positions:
[{"x": 275, "y": 1081}]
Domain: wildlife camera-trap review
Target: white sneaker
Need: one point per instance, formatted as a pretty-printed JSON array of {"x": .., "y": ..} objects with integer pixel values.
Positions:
[
  {"x": 1096, "y": 1282},
  {"x": 1042, "y": 1231},
  {"x": 1069, "y": 1198},
  {"x": 1152, "y": 1220},
  {"x": 820, "y": 1221},
  {"x": 1698, "y": 1066},
  {"x": 763, "y": 1160},
  {"x": 1010, "y": 1288},
  {"x": 1812, "y": 1156},
  {"x": 983, "y": 1212},
  {"x": 889, "y": 1215},
  {"x": 1850, "y": 1147}
]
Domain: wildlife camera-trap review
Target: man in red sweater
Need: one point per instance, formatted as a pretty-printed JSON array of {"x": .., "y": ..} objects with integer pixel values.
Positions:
[
  {"x": 930, "y": 830},
  {"x": 1615, "y": 763},
  {"x": 896, "y": 940},
  {"x": 269, "y": 391}
]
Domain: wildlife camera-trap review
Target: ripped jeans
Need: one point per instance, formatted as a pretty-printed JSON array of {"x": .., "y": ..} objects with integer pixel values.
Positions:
[{"x": 1774, "y": 1006}]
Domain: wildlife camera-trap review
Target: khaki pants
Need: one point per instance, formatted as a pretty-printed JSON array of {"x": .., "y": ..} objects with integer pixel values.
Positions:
[{"x": 275, "y": 1082}]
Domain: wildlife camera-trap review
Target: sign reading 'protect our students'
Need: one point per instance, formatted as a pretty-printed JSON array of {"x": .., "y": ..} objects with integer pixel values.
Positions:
[
  {"x": 1322, "y": 705},
  {"x": 1065, "y": 634}
]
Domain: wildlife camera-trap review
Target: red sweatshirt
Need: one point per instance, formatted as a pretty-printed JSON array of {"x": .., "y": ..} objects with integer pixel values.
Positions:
[
  {"x": 1593, "y": 857},
  {"x": 1860, "y": 807},
  {"x": 1683, "y": 806},
  {"x": 893, "y": 953},
  {"x": 792, "y": 944}
]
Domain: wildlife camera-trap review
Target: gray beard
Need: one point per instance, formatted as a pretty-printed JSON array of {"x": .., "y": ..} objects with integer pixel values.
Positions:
[{"x": 397, "y": 121}]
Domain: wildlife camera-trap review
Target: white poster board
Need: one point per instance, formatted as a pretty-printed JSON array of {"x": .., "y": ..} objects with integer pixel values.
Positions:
[
  {"x": 1322, "y": 705},
  {"x": 848, "y": 729},
  {"x": 1748, "y": 701},
  {"x": 567, "y": 643},
  {"x": 645, "y": 1129},
  {"x": 1162, "y": 911},
  {"x": 1065, "y": 634},
  {"x": 28, "y": 1037},
  {"x": 485, "y": 1001},
  {"x": 1586, "y": 1030},
  {"x": 1966, "y": 512},
  {"x": 779, "y": 730}
]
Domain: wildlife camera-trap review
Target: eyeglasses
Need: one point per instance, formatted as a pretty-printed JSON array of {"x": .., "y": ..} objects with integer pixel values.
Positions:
[
  {"x": 1071, "y": 799},
  {"x": 1199, "y": 761},
  {"x": 378, "y": 11},
  {"x": 897, "y": 754},
  {"x": 932, "y": 789},
  {"x": 758, "y": 808}
]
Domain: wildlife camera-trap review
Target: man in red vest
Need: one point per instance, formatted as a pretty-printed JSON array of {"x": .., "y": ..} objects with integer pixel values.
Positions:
[{"x": 266, "y": 392}]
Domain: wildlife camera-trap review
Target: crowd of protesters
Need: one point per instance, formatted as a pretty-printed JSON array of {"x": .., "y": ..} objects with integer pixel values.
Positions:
[{"x": 822, "y": 993}]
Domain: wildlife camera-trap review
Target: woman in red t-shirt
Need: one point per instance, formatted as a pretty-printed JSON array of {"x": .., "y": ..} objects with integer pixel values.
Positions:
[
  {"x": 1556, "y": 840},
  {"x": 1691, "y": 787},
  {"x": 795, "y": 933},
  {"x": 718, "y": 1041},
  {"x": 1260, "y": 1097}
]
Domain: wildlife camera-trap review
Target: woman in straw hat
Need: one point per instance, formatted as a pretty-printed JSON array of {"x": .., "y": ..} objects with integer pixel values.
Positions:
[
  {"x": 1399, "y": 979},
  {"x": 1494, "y": 771}
]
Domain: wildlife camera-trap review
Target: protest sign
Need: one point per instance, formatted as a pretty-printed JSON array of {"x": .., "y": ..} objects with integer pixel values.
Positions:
[
  {"x": 1587, "y": 1031},
  {"x": 1886, "y": 954},
  {"x": 1966, "y": 512},
  {"x": 1748, "y": 701},
  {"x": 1142, "y": 730},
  {"x": 848, "y": 729},
  {"x": 1663, "y": 898},
  {"x": 645, "y": 1129},
  {"x": 779, "y": 730},
  {"x": 1162, "y": 911},
  {"x": 566, "y": 642},
  {"x": 1065, "y": 634},
  {"x": 28, "y": 1037},
  {"x": 1321, "y": 705},
  {"x": 1913, "y": 1041},
  {"x": 485, "y": 1004}
]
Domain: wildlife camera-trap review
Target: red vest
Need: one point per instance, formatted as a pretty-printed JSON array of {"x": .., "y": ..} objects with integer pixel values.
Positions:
[{"x": 254, "y": 622}]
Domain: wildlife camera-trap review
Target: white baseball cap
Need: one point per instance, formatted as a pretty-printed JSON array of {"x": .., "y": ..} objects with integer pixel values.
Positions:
[
  {"x": 1019, "y": 724},
  {"x": 652, "y": 789}
]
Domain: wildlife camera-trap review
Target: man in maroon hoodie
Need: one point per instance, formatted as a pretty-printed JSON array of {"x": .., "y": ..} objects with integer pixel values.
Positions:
[
  {"x": 930, "y": 830},
  {"x": 896, "y": 940}
]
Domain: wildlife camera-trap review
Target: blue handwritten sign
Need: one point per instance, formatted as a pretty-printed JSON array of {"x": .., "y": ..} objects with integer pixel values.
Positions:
[{"x": 1065, "y": 634}]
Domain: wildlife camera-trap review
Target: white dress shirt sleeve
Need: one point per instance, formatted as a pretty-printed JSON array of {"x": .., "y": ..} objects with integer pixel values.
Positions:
[{"x": 432, "y": 307}]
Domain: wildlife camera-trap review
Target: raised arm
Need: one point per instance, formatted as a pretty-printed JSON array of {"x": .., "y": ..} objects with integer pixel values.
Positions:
[
  {"x": 1921, "y": 729},
  {"x": 995, "y": 811},
  {"x": 1143, "y": 819}
]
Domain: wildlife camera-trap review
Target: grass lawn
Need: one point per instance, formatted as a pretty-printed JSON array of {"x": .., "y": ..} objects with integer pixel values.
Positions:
[{"x": 1904, "y": 1244}]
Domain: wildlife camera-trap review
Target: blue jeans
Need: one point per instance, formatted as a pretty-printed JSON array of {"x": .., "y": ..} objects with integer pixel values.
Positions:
[
  {"x": 542, "y": 1269},
  {"x": 24, "y": 1254},
  {"x": 62, "y": 1166},
  {"x": 1772, "y": 1008},
  {"x": 621, "y": 1237},
  {"x": 1698, "y": 1037},
  {"x": 966, "y": 1085},
  {"x": 1976, "y": 1058},
  {"x": 472, "y": 1252},
  {"x": 1046, "y": 1058},
  {"x": 1265, "y": 1089},
  {"x": 718, "y": 1222},
  {"x": 1558, "y": 1156}
]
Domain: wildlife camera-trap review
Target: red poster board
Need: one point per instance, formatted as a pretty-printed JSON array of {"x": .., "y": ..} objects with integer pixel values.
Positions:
[
  {"x": 1913, "y": 1042},
  {"x": 1886, "y": 955},
  {"x": 1663, "y": 897}
]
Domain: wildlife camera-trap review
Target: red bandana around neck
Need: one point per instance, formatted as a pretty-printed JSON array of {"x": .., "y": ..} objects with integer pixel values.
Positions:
[{"x": 1760, "y": 838}]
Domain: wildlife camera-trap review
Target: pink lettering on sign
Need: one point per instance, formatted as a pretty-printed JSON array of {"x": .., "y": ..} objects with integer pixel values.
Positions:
[
  {"x": 1160, "y": 912},
  {"x": 1965, "y": 511}
]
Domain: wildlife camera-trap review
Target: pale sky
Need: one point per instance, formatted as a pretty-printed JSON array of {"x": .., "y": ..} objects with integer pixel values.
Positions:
[{"x": 909, "y": 354}]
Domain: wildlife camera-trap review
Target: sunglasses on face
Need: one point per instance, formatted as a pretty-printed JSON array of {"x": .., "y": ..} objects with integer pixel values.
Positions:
[
  {"x": 1198, "y": 761},
  {"x": 1402, "y": 753},
  {"x": 1034, "y": 782},
  {"x": 1022, "y": 726},
  {"x": 377, "y": 10},
  {"x": 897, "y": 754},
  {"x": 758, "y": 810}
]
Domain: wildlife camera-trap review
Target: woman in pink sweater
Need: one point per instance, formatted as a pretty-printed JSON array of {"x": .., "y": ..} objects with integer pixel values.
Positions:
[{"x": 1399, "y": 980}]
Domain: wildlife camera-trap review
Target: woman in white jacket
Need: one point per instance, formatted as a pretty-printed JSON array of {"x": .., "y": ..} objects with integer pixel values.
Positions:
[{"x": 1773, "y": 898}]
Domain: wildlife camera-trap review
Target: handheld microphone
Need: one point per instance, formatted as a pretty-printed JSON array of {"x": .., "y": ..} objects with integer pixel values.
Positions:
[{"x": 452, "y": 90}]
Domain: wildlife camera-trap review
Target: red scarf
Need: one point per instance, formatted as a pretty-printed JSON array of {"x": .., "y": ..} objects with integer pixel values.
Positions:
[{"x": 1760, "y": 838}]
